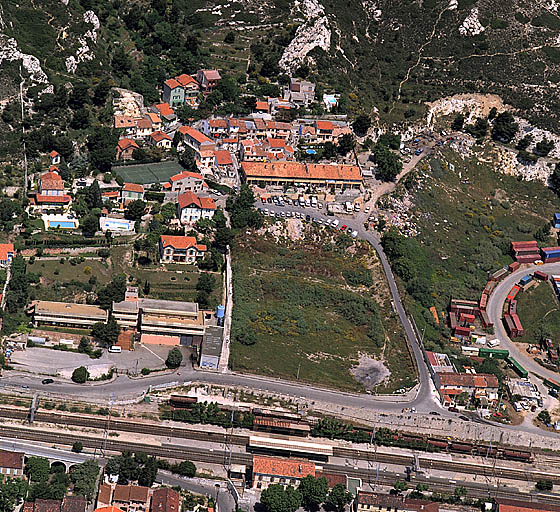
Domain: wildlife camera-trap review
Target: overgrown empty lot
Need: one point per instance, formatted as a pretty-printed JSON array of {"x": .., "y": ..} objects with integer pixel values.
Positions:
[{"x": 313, "y": 308}]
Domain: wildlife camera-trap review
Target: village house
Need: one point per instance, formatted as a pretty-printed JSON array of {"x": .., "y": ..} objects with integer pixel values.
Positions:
[
  {"x": 181, "y": 90},
  {"x": 252, "y": 151},
  {"x": 186, "y": 181},
  {"x": 208, "y": 80},
  {"x": 191, "y": 89},
  {"x": 165, "y": 112},
  {"x": 160, "y": 140},
  {"x": 262, "y": 107},
  {"x": 278, "y": 130},
  {"x": 300, "y": 92},
  {"x": 125, "y": 123},
  {"x": 55, "y": 157},
  {"x": 7, "y": 254},
  {"x": 195, "y": 139},
  {"x": 155, "y": 120},
  {"x": 110, "y": 195},
  {"x": 324, "y": 131},
  {"x": 132, "y": 192},
  {"x": 230, "y": 144},
  {"x": 12, "y": 464},
  {"x": 272, "y": 470},
  {"x": 143, "y": 128},
  {"x": 125, "y": 149},
  {"x": 180, "y": 249},
  {"x": 224, "y": 164},
  {"x": 215, "y": 128},
  {"x": 191, "y": 208},
  {"x": 166, "y": 499},
  {"x": 370, "y": 501},
  {"x": 234, "y": 126},
  {"x": 451, "y": 385},
  {"x": 51, "y": 192}
]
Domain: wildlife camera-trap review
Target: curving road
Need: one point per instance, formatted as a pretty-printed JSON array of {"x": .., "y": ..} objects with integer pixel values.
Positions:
[{"x": 494, "y": 310}]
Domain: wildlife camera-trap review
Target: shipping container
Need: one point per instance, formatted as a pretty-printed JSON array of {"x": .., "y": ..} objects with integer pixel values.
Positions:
[
  {"x": 510, "y": 326},
  {"x": 517, "y": 323},
  {"x": 512, "y": 267},
  {"x": 496, "y": 276},
  {"x": 490, "y": 285},
  {"x": 530, "y": 258},
  {"x": 512, "y": 309},
  {"x": 529, "y": 243},
  {"x": 525, "y": 279},
  {"x": 483, "y": 302},
  {"x": 552, "y": 260},
  {"x": 452, "y": 320},
  {"x": 552, "y": 384},
  {"x": 498, "y": 353},
  {"x": 541, "y": 275},
  {"x": 486, "y": 323},
  {"x": 551, "y": 249},
  {"x": 462, "y": 331},
  {"x": 513, "y": 292}
]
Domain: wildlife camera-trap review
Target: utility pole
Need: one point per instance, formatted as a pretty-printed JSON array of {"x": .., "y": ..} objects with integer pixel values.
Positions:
[
  {"x": 107, "y": 426},
  {"x": 23, "y": 132}
]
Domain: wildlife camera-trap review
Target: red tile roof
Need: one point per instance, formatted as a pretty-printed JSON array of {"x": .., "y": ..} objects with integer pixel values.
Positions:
[
  {"x": 189, "y": 198},
  {"x": 124, "y": 122},
  {"x": 223, "y": 157},
  {"x": 507, "y": 505},
  {"x": 194, "y": 134},
  {"x": 54, "y": 153},
  {"x": 73, "y": 504},
  {"x": 217, "y": 123},
  {"x": 172, "y": 83},
  {"x": 479, "y": 380},
  {"x": 153, "y": 117},
  {"x": 127, "y": 493},
  {"x": 289, "y": 468},
  {"x": 126, "y": 143},
  {"x": 51, "y": 181},
  {"x": 159, "y": 136},
  {"x": 5, "y": 250},
  {"x": 41, "y": 198},
  {"x": 165, "y": 500},
  {"x": 144, "y": 124},
  {"x": 211, "y": 74},
  {"x": 185, "y": 174},
  {"x": 324, "y": 125},
  {"x": 108, "y": 509},
  {"x": 164, "y": 109},
  {"x": 185, "y": 80},
  {"x": 12, "y": 460},
  {"x": 181, "y": 242},
  {"x": 276, "y": 143},
  {"x": 262, "y": 105},
  {"x": 133, "y": 187},
  {"x": 297, "y": 170}
]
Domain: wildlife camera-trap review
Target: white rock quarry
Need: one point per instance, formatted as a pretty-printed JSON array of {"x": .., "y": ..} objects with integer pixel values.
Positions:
[
  {"x": 9, "y": 51},
  {"x": 472, "y": 105},
  {"x": 315, "y": 32},
  {"x": 471, "y": 26}
]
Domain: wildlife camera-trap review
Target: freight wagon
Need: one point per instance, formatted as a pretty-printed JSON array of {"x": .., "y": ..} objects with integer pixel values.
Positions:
[
  {"x": 483, "y": 302},
  {"x": 486, "y": 323},
  {"x": 541, "y": 275},
  {"x": 513, "y": 292},
  {"x": 498, "y": 353},
  {"x": 522, "y": 372},
  {"x": 499, "y": 274},
  {"x": 512, "y": 267},
  {"x": 510, "y": 326}
]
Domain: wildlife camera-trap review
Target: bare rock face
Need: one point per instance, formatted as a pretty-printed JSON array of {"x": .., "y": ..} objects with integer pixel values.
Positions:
[
  {"x": 315, "y": 32},
  {"x": 9, "y": 51},
  {"x": 84, "y": 52},
  {"x": 471, "y": 26}
]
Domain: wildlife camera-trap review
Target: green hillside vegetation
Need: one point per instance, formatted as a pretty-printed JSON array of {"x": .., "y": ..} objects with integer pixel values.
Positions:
[
  {"x": 466, "y": 223},
  {"x": 539, "y": 313},
  {"x": 310, "y": 305}
]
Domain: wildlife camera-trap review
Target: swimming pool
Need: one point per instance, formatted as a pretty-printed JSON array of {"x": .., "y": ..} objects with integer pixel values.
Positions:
[
  {"x": 66, "y": 224},
  {"x": 311, "y": 151}
]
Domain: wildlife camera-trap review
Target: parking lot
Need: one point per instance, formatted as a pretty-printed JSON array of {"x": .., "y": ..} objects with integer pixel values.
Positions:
[{"x": 46, "y": 361}]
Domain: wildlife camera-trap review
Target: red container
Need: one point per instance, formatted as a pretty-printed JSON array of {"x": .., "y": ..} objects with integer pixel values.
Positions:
[
  {"x": 541, "y": 275},
  {"x": 514, "y": 266}
]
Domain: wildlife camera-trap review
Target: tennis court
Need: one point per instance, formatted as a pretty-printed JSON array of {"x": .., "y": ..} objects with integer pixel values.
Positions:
[{"x": 148, "y": 173}]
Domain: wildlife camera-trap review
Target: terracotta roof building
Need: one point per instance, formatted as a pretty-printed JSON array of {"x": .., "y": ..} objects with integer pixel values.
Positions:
[
  {"x": 507, "y": 505},
  {"x": 131, "y": 498},
  {"x": 187, "y": 181},
  {"x": 180, "y": 249},
  {"x": 166, "y": 500},
  {"x": 289, "y": 173},
  {"x": 11, "y": 463},
  {"x": 450, "y": 385},
  {"x": 7, "y": 253},
  {"x": 125, "y": 149},
  {"x": 191, "y": 208},
  {"x": 367, "y": 501},
  {"x": 270, "y": 470},
  {"x": 73, "y": 504}
]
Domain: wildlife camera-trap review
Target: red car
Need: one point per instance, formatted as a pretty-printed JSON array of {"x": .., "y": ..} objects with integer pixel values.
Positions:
[{"x": 343, "y": 228}]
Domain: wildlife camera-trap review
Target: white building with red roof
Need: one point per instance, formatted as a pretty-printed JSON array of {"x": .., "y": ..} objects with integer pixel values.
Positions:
[
  {"x": 224, "y": 163},
  {"x": 180, "y": 249},
  {"x": 51, "y": 192},
  {"x": 191, "y": 208},
  {"x": 132, "y": 192},
  {"x": 187, "y": 181},
  {"x": 160, "y": 139},
  {"x": 273, "y": 470},
  {"x": 55, "y": 157},
  {"x": 195, "y": 139},
  {"x": 125, "y": 149},
  {"x": 7, "y": 254}
]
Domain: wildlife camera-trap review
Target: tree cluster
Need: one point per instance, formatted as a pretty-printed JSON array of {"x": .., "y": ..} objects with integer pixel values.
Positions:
[
  {"x": 137, "y": 467},
  {"x": 389, "y": 163},
  {"x": 241, "y": 208}
]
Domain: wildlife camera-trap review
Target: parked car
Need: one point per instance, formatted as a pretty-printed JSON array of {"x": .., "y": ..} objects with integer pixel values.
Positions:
[
  {"x": 47, "y": 381},
  {"x": 464, "y": 418},
  {"x": 354, "y": 234},
  {"x": 343, "y": 228},
  {"x": 308, "y": 218},
  {"x": 434, "y": 413},
  {"x": 453, "y": 409},
  {"x": 335, "y": 223}
]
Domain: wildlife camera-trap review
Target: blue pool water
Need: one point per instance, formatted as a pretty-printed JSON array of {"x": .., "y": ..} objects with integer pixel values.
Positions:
[
  {"x": 310, "y": 151},
  {"x": 61, "y": 224}
]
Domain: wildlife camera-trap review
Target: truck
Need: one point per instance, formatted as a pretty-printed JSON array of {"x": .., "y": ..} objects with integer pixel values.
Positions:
[
  {"x": 349, "y": 207},
  {"x": 493, "y": 343}
]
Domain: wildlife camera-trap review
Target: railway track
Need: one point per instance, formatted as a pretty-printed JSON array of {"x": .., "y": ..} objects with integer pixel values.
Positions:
[{"x": 115, "y": 424}]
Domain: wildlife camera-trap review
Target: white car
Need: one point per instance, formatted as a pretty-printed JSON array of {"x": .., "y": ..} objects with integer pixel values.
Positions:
[
  {"x": 335, "y": 223},
  {"x": 367, "y": 209},
  {"x": 354, "y": 234}
]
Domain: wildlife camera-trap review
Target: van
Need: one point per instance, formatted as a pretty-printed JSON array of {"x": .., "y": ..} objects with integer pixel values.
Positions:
[
  {"x": 349, "y": 207},
  {"x": 357, "y": 207},
  {"x": 115, "y": 350},
  {"x": 493, "y": 343}
]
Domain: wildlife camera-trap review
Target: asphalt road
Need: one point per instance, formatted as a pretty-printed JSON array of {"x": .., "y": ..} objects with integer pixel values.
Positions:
[{"x": 494, "y": 309}]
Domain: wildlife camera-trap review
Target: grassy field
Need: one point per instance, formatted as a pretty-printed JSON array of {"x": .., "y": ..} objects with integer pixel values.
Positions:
[
  {"x": 538, "y": 309},
  {"x": 309, "y": 314},
  {"x": 148, "y": 173},
  {"x": 467, "y": 218}
]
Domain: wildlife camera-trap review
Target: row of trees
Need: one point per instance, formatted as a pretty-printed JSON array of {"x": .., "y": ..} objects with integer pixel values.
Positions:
[{"x": 311, "y": 493}]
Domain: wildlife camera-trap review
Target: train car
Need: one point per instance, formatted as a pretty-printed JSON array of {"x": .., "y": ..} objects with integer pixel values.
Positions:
[
  {"x": 522, "y": 372},
  {"x": 461, "y": 447},
  {"x": 274, "y": 444},
  {"x": 483, "y": 302},
  {"x": 510, "y": 326},
  {"x": 486, "y": 323},
  {"x": 182, "y": 401},
  {"x": 280, "y": 426},
  {"x": 486, "y": 451},
  {"x": 452, "y": 320},
  {"x": 437, "y": 445},
  {"x": 517, "y": 455},
  {"x": 513, "y": 307}
]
